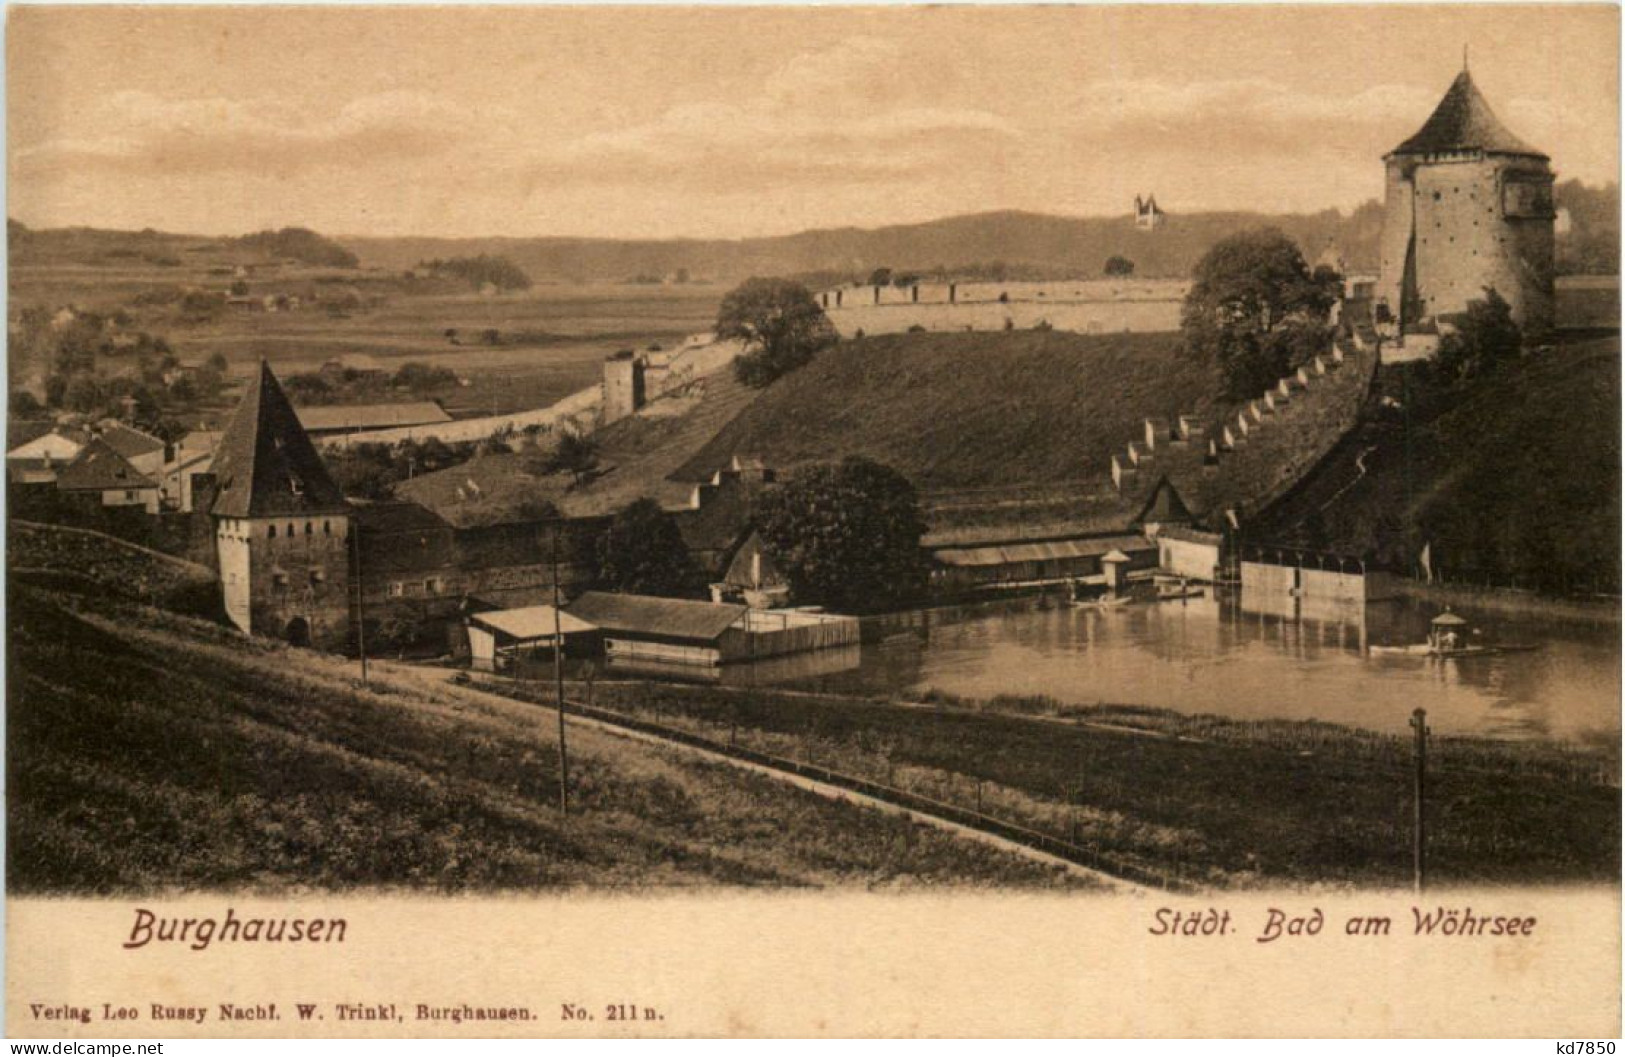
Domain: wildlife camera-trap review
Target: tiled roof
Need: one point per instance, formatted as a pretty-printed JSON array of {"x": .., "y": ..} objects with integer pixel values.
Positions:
[
  {"x": 741, "y": 571},
  {"x": 98, "y": 468},
  {"x": 531, "y": 622},
  {"x": 661, "y": 617},
  {"x": 402, "y": 538},
  {"x": 265, "y": 465},
  {"x": 61, "y": 443},
  {"x": 1463, "y": 121},
  {"x": 130, "y": 443},
  {"x": 1058, "y": 550},
  {"x": 371, "y": 416},
  {"x": 1189, "y": 535}
]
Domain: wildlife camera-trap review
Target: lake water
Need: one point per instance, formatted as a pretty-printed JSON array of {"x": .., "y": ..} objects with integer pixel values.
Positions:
[{"x": 1204, "y": 655}]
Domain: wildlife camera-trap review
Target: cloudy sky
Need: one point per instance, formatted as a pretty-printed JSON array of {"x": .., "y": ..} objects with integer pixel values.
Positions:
[{"x": 736, "y": 122}]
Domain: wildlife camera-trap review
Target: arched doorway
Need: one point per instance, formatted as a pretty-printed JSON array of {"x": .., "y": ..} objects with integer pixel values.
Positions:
[{"x": 298, "y": 633}]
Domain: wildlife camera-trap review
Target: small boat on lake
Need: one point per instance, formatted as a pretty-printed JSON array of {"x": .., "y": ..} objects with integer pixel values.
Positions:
[
  {"x": 1106, "y": 600},
  {"x": 1174, "y": 590},
  {"x": 1445, "y": 639}
]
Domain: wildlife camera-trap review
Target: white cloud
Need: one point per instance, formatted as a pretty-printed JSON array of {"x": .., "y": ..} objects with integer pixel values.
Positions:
[
  {"x": 146, "y": 133},
  {"x": 830, "y": 115}
]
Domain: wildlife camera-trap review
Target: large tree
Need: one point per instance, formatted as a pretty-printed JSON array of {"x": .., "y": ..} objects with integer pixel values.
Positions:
[
  {"x": 1486, "y": 337},
  {"x": 1255, "y": 310},
  {"x": 781, "y": 324},
  {"x": 643, "y": 553},
  {"x": 846, "y": 535}
]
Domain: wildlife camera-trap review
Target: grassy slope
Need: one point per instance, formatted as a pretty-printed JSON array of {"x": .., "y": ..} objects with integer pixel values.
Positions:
[
  {"x": 1527, "y": 458},
  {"x": 1207, "y": 799},
  {"x": 967, "y": 410},
  {"x": 149, "y": 752}
]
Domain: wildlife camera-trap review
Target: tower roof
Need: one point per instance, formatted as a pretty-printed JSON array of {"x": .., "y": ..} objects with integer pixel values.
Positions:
[
  {"x": 1464, "y": 121},
  {"x": 265, "y": 465}
]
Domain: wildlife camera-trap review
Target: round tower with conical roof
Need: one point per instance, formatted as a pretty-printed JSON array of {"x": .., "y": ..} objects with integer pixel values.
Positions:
[{"x": 1468, "y": 207}]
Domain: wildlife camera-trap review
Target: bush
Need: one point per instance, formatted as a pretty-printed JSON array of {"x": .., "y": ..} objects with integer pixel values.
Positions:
[{"x": 479, "y": 271}]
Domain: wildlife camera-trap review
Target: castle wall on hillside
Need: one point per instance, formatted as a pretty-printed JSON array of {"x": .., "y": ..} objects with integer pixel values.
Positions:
[{"x": 1086, "y": 306}]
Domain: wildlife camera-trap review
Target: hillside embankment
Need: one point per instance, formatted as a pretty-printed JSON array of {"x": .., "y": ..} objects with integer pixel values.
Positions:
[
  {"x": 148, "y": 751},
  {"x": 1509, "y": 481},
  {"x": 968, "y": 410}
]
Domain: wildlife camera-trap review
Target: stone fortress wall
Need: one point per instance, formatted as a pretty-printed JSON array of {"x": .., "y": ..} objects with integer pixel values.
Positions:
[{"x": 1088, "y": 306}]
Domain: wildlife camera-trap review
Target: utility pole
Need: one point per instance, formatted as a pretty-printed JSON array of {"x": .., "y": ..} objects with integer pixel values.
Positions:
[
  {"x": 360, "y": 600},
  {"x": 1419, "y": 723},
  {"x": 558, "y": 679}
]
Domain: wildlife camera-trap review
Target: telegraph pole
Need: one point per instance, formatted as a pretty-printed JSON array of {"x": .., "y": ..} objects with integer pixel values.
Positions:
[
  {"x": 558, "y": 680},
  {"x": 1419, "y": 722},
  {"x": 360, "y": 600}
]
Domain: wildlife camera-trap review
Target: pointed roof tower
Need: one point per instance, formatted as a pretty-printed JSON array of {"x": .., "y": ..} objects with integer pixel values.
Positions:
[
  {"x": 265, "y": 465},
  {"x": 1463, "y": 121}
]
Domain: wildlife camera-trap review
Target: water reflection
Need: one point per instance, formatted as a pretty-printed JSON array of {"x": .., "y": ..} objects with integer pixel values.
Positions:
[{"x": 1283, "y": 658}]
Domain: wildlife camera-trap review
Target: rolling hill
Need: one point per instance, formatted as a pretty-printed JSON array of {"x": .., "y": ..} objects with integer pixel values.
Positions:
[
  {"x": 1016, "y": 244},
  {"x": 967, "y": 410},
  {"x": 1024, "y": 244}
]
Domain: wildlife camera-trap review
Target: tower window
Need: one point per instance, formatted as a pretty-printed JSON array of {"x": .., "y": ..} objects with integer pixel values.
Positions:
[
  {"x": 270, "y": 532},
  {"x": 290, "y": 530},
  {"x": 308, "y": 528},
  {"x": 327, "y": 528}
]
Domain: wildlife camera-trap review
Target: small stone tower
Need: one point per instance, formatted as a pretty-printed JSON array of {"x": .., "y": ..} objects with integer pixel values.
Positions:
[
  {"x": 624, "y": 390},
  {"x": 1468, "y": 207},
  {"x": 281, "y": 525}
]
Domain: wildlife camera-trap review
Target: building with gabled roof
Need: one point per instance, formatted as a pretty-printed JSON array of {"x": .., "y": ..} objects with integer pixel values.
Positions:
[
  {"x": 100, "y": 471},
  {"x": 39, "y": 460},
  {"x": 144, "y": 451},
  {"x": 336, "y": 420},
  {"x": 1468, "y": 207},
  {"x": 282, "y": 525}
]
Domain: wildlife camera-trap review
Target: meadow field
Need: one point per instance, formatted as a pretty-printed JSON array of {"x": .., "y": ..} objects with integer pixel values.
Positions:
[
  {"x": 549, "y": 340},
  {"x": 1200, "y": 800}
]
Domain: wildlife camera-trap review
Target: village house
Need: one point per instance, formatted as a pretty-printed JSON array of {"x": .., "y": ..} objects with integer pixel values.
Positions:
[
  {"x": 101, "y": 476},
  {"x": 143, "y": 450},
  {"x": 41, "y": 459}
]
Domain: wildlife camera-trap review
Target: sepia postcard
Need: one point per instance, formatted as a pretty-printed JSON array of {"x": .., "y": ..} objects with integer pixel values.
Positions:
[{"x": 895, "y": 521}]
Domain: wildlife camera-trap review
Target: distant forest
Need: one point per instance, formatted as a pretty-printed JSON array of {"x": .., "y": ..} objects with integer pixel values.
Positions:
[{"x": 1008, "y": 245}]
